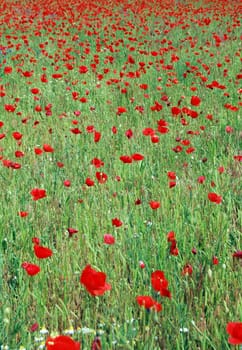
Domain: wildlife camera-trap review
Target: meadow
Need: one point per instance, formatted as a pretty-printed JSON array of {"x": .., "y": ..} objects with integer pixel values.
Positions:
[{"x": 120, "y": 156}]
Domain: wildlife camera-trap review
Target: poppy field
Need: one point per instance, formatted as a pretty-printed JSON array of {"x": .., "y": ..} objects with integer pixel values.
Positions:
[{"x": 120, "y": 156}]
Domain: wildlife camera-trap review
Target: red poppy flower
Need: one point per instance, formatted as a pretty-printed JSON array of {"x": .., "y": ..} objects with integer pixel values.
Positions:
[
  {"x": 160, "y": 284},
  {"x": 177, "y": 149},
  {"x": 17, "y": 135},
  {"x": 34, "y": 327},
  {"x": 101, "y": 177},
  {"x": 15, "y": 165},
  {"x": 175, "y": 111},
  {"x": 213, "y": 197},
  {"x": 173, "y": 247},
  {"x": 38, "y": 193},
  {"x": 97, "y": 136},
  {"x": 83, "y": 69},
  {"x": 234, "y": 329},
  {"x": 155, "y": 139},
  {"x": 38, "y": 151},
  {"x": 154, "y": 205},
  {"x": 187, "y": 270},
  {"x": 172, "y": 184},
  {"x": 72, "y": 231},
  {"x": 142, "y": 264},
  {"x": 7, "y": 163},
  {"x": 162, "y": 126},
  {"x": 171, "y": 175},
  {"x": 2, "y": 91},
  {"x": 35, "y": 91},
  {"x": 19, "y": 154},
  {"x": 43, "y": 78},
  {"x": 76, "y": 131},
  {"x": 83, "y": 99},
  {"x": 195, "y": 101},
  {"x": 170, "y": 236},
  {"x": 23, "y": 214},
  {"x": 114, "y": 130},
  {"x": 129, "y": 133},
  {"x": 35, "y": 240},
  {"x": 190, "y": 150},
  {"x": 90, "y": 129},
  {"x": 48, "y": 148},
  {"x": 148, "y": 132},
  {"x": 8, "y": 70},
  {"x": 27, "y": 74},
  {"x": 156, "y": 107},
  {"x": 89, "y": 182},
  {"x": 201, "y": 179},
  {"x": 148, "y": 303},
  {"x": 67, "y": 183},
  {"x": 10, "y": 108},
  {"x": 238, "y": 158},
  {"x": 137, "y": 157},
  {"x": 62, "y": 342},
  {"x": 38, "y": 108},
  {"x": 108, "y": 239},
  {"x": 57, "y": 76},
  {"x": 96, "y": 344},
  {"x": 42, "y": 252},
  {"x": 31, "y": 269},
  {"x": 229, "y": 129},
  {"x": 98, "y": 163},
  {"x": 238, "y": 254},
  {"x": 116, "y": 222},
  {"x": 126, "y": 159},
  {"x": 94, "y": 281},
  {"x": 121, "y": 110},
  {"x": 143, "y": 86}
]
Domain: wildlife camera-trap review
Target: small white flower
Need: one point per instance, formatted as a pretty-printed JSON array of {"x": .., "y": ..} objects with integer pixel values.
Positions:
[
  {"x": 184, "y": 330},
  {"x": 38, "y": 339},
  {"x": 86, "y": 330},
  {"x": 41, "y": 347},
  {"x": 69, "y": 331},
  {"x": 101, "y": 325},
  {"x": 210, "y": 273},
  {"x": 43, "y": 331}
]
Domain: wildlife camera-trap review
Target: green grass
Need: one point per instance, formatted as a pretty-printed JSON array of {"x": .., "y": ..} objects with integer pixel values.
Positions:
[{"x": 201, "y": 304}]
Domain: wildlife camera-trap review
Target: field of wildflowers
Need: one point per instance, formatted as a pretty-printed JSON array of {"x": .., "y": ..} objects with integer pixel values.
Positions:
[{"x": 120, "y": 156}]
